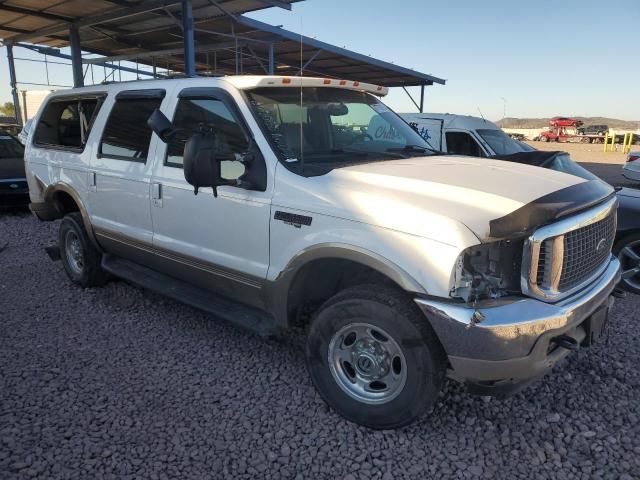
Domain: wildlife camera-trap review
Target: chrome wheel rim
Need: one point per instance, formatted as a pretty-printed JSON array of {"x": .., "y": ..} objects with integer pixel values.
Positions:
[
  {"x": 367, "y": 363},
  {"x": 73, "y": 252},
  {"x": 629, "y": 257}
]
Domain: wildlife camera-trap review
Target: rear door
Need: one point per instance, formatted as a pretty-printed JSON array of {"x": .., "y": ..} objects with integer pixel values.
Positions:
[{"x": 120, "y": 172}]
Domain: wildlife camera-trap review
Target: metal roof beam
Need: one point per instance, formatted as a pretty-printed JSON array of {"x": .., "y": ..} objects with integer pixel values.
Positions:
[
  {"x": 144, "y": 7},
  {"x": 276, "y": 3},
  {"x": 35, "y": 13},
  {"x": 312, "y": 42},
  {"x": 54, "y": 52},
  {"x": 163, "y": 53}
]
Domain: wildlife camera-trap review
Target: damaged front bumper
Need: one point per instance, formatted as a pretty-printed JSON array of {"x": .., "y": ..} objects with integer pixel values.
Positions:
[{"x": 512, "y": 341}]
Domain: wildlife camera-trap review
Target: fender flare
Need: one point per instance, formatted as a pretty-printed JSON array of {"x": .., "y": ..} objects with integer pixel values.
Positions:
[
  {"x": 49, "y": 198},
  {"x": 277, "y": 291}
]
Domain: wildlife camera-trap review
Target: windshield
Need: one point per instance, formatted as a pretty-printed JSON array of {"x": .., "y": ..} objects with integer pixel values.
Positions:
[
  {"x": 10, "y": 147},
  {"x": 500, "y": 142},
  {"x": 315, "y": 130}
]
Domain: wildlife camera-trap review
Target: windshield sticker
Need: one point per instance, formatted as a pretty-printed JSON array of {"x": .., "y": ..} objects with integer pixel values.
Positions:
[
  {"x": 387, "y": 132},
  {"x": 290, "y": 160}
]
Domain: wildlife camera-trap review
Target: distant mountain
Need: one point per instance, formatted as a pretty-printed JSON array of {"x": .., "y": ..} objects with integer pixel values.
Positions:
[{"x": 543, "y": 122}]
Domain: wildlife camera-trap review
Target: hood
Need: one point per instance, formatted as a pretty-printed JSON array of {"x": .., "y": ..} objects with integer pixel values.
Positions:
[{"x": 428, "y": 196}]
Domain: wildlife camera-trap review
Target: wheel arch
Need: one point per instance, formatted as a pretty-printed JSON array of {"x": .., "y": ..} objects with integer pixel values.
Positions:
[
  {"x": 320, "y": 271},
  {"x": 64, "y": 199}
]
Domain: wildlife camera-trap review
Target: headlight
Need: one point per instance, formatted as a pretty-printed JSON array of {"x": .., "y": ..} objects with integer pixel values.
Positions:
[{"x": 488, "y": 271}]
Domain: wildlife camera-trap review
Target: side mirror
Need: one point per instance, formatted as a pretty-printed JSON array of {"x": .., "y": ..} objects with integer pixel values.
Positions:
[
  {"x": 161, "y": 125},
  {"x": 201, "y": 168}
]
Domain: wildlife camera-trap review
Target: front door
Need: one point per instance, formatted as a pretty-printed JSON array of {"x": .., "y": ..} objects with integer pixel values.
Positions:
[{"x": 222, "y": 242}]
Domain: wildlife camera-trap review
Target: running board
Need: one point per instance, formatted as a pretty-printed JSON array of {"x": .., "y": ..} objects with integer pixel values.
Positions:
[{"x": 242, "y": 316}]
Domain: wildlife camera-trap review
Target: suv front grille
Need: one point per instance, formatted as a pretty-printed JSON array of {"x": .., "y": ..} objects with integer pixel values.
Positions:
[
  {"x": 585, "y": 250},
  {"x": 563, "y": 257}
]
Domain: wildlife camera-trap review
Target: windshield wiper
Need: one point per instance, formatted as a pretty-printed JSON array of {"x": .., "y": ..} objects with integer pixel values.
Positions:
[{"x": 412, "y": 149}]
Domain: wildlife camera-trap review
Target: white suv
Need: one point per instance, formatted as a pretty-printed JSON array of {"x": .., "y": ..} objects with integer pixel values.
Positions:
[{"x": 274, "y": 201}]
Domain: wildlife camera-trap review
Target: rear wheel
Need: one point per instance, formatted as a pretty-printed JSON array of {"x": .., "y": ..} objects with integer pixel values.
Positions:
[
  {"x": 544, "y": 139},
  {"x": 373, "y": 357},
  {"x": 81, "y": 260}
]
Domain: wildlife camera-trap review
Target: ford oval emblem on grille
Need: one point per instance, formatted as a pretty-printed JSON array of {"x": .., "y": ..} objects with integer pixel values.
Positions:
[
  {"x": 601, "y": 244},
  {"x": 13, "y": 185}
]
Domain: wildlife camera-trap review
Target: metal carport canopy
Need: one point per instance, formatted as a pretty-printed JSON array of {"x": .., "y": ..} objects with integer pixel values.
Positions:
[{"x": 153, "y": 32}]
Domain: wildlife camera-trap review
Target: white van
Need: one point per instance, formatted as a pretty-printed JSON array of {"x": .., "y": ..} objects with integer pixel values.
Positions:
[{"x": 464, "y": 135}]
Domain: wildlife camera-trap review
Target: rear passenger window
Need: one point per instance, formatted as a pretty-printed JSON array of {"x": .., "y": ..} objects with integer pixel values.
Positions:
[
  {"x": 66, "y": 123},
  {"x": 126, "y": 134},
  {"x": 461, "y": 143}
]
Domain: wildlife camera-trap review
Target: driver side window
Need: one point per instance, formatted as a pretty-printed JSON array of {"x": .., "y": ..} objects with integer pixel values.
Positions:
[
  {"x": 191, "y": 115},
  {"x": 461, "y": 143}
]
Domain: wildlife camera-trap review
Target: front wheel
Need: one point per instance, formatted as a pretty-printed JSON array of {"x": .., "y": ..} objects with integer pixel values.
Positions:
[{"x": 373, "y": 357}]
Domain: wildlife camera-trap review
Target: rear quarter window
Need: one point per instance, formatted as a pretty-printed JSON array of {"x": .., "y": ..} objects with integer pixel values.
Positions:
[{"x": 65, "y": 123}]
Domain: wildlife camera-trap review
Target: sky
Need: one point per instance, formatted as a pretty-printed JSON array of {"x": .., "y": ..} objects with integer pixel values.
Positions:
[{"x": 533, "y": 59}]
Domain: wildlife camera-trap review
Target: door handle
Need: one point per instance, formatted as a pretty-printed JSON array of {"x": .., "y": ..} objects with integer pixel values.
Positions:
[
  {"x": 156, "y": 194},
  {"x": 92, "y": 182}
]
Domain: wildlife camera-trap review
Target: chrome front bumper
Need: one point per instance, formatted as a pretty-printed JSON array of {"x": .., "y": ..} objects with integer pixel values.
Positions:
[{"x": 512, "y": 339}]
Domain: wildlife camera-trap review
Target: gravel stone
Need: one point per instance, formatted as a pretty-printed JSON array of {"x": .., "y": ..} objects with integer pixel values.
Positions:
[
  {"x": 121, "y": 383},
  {"x": 553, "y": 417}
]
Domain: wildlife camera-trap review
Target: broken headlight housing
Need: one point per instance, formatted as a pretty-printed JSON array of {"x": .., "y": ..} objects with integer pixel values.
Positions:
[{"x": 488, "y": 271}]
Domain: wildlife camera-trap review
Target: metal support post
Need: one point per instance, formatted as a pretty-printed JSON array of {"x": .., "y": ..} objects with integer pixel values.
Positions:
[
  {"x": 14, "y": 87},
  {"x": 76, "y": 56},
  {"x": 272, "y": 67},
  {"x": 189, "y": 40},
  {"x": 422, "y": 99}
]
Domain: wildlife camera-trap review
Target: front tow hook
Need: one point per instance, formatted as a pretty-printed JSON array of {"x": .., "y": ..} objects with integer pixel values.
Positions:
[{"x": 565, "y": 341}]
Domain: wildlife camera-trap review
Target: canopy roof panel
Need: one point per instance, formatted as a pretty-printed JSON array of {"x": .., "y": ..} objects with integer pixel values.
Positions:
[{"x": 226, "y": 42}]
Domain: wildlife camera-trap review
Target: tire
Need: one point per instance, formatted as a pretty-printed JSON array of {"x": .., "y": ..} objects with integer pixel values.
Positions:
[
  {"x": 624, "y": 249},
  {"x": 544, "y": 139},
  {"x": 81, "y": 260},
  {"x": 391, "y": 330}
]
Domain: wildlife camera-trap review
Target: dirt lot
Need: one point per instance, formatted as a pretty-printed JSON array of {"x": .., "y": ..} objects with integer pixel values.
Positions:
[
  {"x": 607, "y": 165},
  {"x": 120, "y": 383}
]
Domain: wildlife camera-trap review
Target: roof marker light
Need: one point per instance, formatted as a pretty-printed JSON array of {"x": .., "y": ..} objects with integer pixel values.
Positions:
[
  {"x": 327, "y": 81},
  {"x": 343, "y": 82},
  {"x": 286, "y": 80},
  {"x": 355, "y": 84}
]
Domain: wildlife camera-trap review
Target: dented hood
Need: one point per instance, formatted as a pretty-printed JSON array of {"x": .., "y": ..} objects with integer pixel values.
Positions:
[{"x": 423, "y": 195}]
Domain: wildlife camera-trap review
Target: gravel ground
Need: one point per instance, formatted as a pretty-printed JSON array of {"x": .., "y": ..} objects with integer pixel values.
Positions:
[{"x": 121, "y": 383}]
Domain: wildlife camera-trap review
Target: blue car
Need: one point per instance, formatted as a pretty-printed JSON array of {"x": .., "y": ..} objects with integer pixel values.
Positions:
[{"x": 14, "y": 191}]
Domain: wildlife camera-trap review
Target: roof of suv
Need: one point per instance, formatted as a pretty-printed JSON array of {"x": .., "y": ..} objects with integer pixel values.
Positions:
[{"x": 239, "y": 81}]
